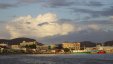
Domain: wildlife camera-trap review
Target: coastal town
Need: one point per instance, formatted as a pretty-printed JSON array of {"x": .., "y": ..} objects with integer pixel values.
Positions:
[{"x": 33, "y": 47}]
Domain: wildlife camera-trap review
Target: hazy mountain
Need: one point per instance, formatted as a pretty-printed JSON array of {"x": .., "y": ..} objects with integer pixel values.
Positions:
[
  {"x": 108, "y": 43},
  {"x": 87, "y": 44}
]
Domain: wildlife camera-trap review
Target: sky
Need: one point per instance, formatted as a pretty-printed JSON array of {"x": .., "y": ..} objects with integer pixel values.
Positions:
[{"x": 56, "y": 21}]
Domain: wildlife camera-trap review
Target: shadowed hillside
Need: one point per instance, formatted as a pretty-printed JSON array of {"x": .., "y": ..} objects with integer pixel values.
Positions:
[{"x": 18, "y": 40}]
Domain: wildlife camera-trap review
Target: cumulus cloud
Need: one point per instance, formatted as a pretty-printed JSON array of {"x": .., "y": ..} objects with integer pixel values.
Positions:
[
  {"x": 43, "y": 25},
  {"x": 46, "y": 25}
]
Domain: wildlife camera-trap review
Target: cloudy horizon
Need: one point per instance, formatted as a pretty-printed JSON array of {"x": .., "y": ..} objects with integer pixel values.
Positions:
[{"x": 57, "y": 20}]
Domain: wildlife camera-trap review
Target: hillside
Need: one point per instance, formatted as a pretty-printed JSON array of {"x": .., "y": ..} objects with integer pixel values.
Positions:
[
  {"x": 108, "y": 43},
  {"x": 87, "y": 44},
  {"x": 18, "y": 40}
]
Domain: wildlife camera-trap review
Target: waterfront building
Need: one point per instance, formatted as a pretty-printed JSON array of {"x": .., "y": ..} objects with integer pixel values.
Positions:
[
  {"x": 16, "y": 47},
  {"x": 92, "y": 50},
  {"x": 4, "y": 47},
  {"x": 53, "y": 51},
  {"x": 71, "y": 45},
  {"x": 2, "y": 44},
  {"x": 74, "y": 51},
  {"x": 42, "y": 49},
  {"x": 108, "y": 49},
  {"x": 24, "y": 49},
  {"x": 1, "y": 49}
]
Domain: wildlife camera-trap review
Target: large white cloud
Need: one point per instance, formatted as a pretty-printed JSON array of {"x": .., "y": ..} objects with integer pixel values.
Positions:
[{"x": 43, "y": 25}]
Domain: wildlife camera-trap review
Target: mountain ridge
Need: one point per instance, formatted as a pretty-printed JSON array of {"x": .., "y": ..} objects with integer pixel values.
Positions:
[{"x": 18, "y": 40}]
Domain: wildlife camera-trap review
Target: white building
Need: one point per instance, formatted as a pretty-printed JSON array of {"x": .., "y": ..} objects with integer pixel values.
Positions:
[
  {"x": 16, "y": 47},
  {"x": 24, "y": 43},
  {"x": 108, "y": 49},
  {"x": 2, "y": 44}
]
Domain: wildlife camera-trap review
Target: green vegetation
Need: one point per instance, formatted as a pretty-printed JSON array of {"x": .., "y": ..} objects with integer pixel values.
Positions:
[
  {"x": 66, "y": 50},
  {"x": 31, "y": 46}
]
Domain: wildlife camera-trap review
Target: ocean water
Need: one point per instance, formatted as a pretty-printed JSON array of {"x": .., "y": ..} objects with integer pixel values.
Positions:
[{"x": 57, "y": 59}]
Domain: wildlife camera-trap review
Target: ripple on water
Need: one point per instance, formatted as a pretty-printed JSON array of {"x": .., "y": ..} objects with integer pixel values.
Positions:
[{"x": 56, "y": 59}]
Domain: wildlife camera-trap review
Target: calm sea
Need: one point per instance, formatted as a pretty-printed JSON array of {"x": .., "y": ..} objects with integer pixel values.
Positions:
[{"x": 57, "y": 59}]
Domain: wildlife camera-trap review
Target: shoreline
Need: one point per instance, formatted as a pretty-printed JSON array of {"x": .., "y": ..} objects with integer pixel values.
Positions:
[{"x": 56, "y": 54}]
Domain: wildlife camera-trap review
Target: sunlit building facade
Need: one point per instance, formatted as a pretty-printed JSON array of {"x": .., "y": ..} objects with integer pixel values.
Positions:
[
  {"x": 24, "y": 43},
  {"x": 15, "y": 47},
  {"x": 71, "y": 45}
]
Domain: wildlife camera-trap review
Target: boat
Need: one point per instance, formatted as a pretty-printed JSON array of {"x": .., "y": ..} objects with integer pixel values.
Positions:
[{"x": 101, "y": 52}]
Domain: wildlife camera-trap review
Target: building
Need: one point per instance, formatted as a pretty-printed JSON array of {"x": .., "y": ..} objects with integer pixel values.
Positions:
[
  {"x": 1, "y": 49},
  {"x": 92, "y": 50},
  {"x": 108, "y": 49},
  {"x": 52, "y": 46},
  {"x": 16, "y": 47},
  {"x": 71, "y": 45},
  {"x": 24, "y": 43},
  {"x": 43, "y": 47},
  {"x": 3, "y": 46}
]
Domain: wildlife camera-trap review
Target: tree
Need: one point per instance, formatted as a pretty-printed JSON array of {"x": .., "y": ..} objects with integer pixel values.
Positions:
[
  {"x": 59, "y": 46},
  {"x": 66, "y": 50},
  {"x": 33, "y": 46}
]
